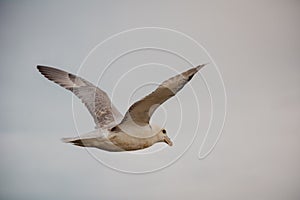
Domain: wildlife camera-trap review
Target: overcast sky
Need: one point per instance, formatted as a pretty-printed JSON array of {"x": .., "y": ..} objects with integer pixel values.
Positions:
[{"x": 254, "y": 44}]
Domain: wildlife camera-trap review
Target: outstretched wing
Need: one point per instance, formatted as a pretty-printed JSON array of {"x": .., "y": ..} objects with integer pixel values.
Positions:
[
  {"x": 96, "y": 100},
  {"x": 141, "y": 111}
]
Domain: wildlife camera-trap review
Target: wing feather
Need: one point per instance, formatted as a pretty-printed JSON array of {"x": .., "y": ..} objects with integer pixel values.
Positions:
[
  {"x": 141, "y": 111},
  {"x": 96, "y": 100}
]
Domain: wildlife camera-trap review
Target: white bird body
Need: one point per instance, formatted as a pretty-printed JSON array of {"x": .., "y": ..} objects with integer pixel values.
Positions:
[
  {"x": 105, "y": 139},
  {"x": 113, "y": 131}
]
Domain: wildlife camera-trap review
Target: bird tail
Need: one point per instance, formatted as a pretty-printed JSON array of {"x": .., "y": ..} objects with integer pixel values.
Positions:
[{"x": 75, "y": 141}]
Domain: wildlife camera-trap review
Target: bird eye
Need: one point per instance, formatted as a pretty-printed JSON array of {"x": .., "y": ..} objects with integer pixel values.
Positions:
[{"x": 164, "y": 131}]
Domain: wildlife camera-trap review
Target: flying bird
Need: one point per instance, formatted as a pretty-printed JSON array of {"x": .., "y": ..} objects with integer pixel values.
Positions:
[{"x": 114, "y": 132}]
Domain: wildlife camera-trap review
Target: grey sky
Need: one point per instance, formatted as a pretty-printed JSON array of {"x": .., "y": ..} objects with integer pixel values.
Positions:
[{"x": 256, "y": 46}]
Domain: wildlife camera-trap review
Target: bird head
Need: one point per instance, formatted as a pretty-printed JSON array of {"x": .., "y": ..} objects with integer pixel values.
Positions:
[
  {"x": 161, "y": 135},
  {"x": 164, "y": 138}
]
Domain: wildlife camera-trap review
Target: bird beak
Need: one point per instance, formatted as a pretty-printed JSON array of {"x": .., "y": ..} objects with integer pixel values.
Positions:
[{"x": 168, "y": 141}]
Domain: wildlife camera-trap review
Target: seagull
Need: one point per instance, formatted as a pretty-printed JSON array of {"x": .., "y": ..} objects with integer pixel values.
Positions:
[{"x": 114, "y": 132}]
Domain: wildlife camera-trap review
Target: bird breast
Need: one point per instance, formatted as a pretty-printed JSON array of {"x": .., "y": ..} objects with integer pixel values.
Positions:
[{"x": 130, "y": 143}]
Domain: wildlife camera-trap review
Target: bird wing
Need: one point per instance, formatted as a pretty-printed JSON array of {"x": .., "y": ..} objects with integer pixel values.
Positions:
[
  {"x": 96, "y": 100},
  {"x": 141, "y": 111}
]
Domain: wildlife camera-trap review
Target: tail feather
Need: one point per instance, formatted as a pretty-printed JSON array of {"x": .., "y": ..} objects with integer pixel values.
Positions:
[{"x": 74, "y": 141}]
